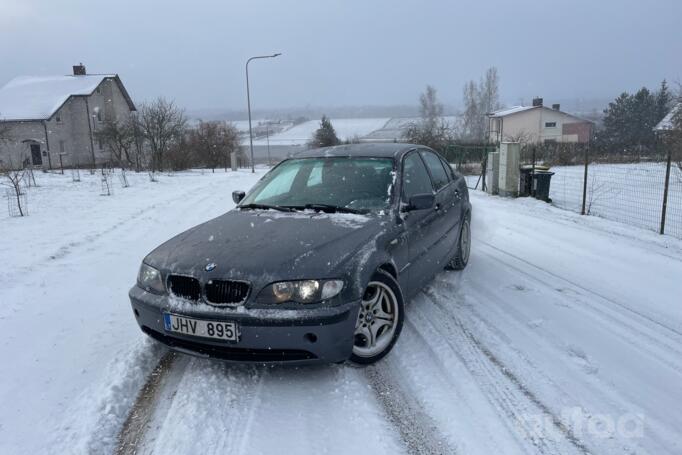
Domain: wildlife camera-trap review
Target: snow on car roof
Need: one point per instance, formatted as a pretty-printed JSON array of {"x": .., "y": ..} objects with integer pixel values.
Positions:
[{"x": 38, "y": 98}]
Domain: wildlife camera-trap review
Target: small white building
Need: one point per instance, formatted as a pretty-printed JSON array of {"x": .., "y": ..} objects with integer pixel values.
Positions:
[{"x": 537, "y": 123}]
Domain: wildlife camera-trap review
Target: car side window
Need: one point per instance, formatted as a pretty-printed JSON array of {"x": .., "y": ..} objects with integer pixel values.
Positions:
[
  {"x": 448, "y": 170},
  {"x": 440, "y": 178},
  {"x": 415, "y": 178}
]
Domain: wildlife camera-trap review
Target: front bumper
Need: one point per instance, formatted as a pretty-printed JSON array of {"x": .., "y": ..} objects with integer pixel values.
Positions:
[{"x": 322, "y": 334}]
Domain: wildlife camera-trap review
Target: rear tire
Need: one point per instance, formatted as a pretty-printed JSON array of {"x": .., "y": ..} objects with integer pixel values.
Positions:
[
  {"x": 461, "y": 258},
  {"x": 380, "y": 320}
]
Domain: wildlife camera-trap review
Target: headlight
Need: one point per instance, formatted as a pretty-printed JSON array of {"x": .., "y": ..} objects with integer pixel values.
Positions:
[
  {"x": 149, "y": 279},
  {"x": 304, "y": 291}
]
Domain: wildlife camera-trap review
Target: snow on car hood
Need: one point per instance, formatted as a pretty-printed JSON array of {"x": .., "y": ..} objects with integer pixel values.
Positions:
[{"x": 268, "y": 245}]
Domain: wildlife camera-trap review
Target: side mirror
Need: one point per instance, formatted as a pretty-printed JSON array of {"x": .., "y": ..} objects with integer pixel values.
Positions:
[
  {"x": 237, "y": 196},
  {"x": 421, "y": 202}
]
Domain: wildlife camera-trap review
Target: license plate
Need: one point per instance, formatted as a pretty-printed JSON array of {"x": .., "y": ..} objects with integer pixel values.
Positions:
[{"x": 228, "y": 331}]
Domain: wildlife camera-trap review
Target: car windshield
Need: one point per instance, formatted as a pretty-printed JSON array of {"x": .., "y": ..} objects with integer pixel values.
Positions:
[{"x": 333, "y": 183}]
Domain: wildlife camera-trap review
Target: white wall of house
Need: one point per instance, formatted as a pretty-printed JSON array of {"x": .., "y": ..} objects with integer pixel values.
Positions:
[{"x": 534, "y": 125}]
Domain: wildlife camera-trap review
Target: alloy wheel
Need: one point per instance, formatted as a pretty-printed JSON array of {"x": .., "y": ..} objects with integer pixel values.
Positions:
[
  {"x": 377, "y": 320},
  {"x": 465, "y": 241}
]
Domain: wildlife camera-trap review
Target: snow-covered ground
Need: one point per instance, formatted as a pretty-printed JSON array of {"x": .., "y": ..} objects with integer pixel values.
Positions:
[
  {"x": 628, "y": 193},
  {"x": 564, "y": 335}
]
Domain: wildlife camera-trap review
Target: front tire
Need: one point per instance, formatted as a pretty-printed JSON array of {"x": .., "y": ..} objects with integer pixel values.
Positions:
[
  {"x": 380, "y": 320},
  {"x": 461, "y": 258}
]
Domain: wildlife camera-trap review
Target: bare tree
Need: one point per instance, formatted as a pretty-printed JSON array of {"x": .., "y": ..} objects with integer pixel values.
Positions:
[
  {"x": 432, "y": 130},
  {"x": 480, "y": 100},
  {"x": 163, "y": 125},
  {"x": 119, "y": 139},
  {"x": 489, "y": 95},
  {"x": 212, "y": 143},
  {"x": 472, "y": 114},
  {"x": 15, "y": 179},
  {"x": 139, "y": 143},
  {"x": 430, "y": 108}
]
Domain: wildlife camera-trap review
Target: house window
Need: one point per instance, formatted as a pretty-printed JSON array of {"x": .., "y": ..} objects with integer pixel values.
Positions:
[
  {"x": 99, "y": 144},
  {"x": 99, "y": 115},
  {"x": 58, "y": 118},
  {"x": 99, "y": 90},
  {"x": 61, "y": 147},
  {"x": 550, "y": 124}
]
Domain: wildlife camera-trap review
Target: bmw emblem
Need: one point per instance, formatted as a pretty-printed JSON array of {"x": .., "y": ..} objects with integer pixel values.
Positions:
[{"x": 210, "y": 266}]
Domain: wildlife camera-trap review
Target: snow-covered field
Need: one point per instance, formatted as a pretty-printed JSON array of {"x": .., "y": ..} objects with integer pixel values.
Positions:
[
  {"x": 346, "y": 129},
  {"x": 564, "y": 335},
  {"x": 628, "y": 193}
]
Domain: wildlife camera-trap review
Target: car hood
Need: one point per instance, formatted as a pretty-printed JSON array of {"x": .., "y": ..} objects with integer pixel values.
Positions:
[{"x": 265, "y": 245}]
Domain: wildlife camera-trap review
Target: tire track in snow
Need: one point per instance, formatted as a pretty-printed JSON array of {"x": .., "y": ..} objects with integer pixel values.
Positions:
[
  {"x": 632, "y": 318},
  {"x": 579, "y": 286},
  {"x": 417, "y": 430},
  {"x": 504, "y": 388},
  {"x": 140, "y": 416}
]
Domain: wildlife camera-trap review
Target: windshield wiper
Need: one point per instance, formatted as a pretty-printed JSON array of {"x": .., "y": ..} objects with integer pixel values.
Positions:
[
  {"x": 329, "y": 208},
  {"x": 266, "y": 207}
]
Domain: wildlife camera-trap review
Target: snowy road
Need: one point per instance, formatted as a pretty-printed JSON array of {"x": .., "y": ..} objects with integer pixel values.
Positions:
[{"x": 564, "y": 335}]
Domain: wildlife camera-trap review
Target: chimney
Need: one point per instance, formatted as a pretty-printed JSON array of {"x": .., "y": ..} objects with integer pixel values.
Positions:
[
  {"x": 537, "y": 102},
  {"x": 556, "y": 107},
  {"x": 79, "y": 70}
]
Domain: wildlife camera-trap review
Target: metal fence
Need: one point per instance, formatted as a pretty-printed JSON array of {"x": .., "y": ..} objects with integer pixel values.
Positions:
[
  {"x": 639, "y": 186},
  {"x": 470, "y": 160}
]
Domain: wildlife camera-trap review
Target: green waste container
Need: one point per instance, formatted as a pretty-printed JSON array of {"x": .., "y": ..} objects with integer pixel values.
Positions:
[{"x": 541, "y": 183}]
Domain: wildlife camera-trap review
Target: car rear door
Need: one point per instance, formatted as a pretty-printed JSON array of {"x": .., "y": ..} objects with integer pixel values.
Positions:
[{"x": 449, "y": 205}]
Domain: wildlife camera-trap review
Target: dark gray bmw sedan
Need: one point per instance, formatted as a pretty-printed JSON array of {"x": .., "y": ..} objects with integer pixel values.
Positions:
[{"x": 316, "y": 261}]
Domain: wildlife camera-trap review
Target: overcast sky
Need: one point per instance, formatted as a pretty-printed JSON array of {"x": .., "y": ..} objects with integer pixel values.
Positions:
[{"x": 347, "y": 52}]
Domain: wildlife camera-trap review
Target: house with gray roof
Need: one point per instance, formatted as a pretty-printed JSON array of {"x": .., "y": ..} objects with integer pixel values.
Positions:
[{"x": 53, "y": 120}]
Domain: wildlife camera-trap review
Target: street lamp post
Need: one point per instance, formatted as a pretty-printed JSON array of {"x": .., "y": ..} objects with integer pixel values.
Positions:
[{"x": 248, "y": 101}]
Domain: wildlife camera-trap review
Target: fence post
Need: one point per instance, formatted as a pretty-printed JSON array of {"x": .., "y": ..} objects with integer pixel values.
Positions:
[
  {"x": 665, "y": 190},
  {"x": 587, "y": 158},
  {"x": 484, "y": 168}
]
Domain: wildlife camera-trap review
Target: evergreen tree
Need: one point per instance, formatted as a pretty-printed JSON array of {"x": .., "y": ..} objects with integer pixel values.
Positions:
[
  {"x": 664, "y": 100},
  {"x": 325, "y": 135},
  {"x": 629, "y": 119}
]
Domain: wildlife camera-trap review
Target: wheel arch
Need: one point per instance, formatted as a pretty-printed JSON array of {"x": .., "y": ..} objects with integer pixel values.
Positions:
[{"x": 389, "y": 268}]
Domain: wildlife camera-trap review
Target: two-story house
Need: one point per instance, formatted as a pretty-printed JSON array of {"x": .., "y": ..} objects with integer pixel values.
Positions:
[
  {"x": 49, "y": 119},
  {"x": 537, "y": 123}
]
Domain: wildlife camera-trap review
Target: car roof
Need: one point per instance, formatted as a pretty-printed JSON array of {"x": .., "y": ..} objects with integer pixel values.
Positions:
[{"x": 378, "y": 150}]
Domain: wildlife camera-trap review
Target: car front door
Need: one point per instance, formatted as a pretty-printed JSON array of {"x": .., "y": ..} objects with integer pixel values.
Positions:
[{"x": 420, "y": 227}]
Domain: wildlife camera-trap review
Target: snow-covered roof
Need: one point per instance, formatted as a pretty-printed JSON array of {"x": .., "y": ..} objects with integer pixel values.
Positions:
[
  {"x": 39, "y": 97},
  {"x": 511, "y": 110},
  {"x": 667, "y": 122}
]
